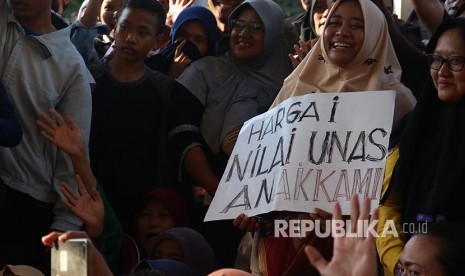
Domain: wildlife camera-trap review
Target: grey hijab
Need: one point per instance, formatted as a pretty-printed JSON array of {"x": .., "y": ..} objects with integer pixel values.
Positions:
[
  {"x": 233, "y": 91},
  {"x": 272, "y": 66}
]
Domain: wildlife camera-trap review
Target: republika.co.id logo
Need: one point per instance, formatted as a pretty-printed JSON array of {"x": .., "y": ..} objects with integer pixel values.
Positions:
[{"x": 343, "y": 228}]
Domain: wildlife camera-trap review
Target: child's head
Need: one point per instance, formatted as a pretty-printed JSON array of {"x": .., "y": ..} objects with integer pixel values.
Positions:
[
  {"x": 137, "y": 30},
  {"x": 160, "y": 210},
  {"x": 319, "y": 15},
  {"x": 187, "y": 246},
  {"x": 109, "y": 13},
  {"x": 152, "y": 7},
  {"x": 197, "y": 25}
]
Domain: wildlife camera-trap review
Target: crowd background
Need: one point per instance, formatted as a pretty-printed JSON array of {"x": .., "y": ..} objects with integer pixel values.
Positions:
[
  {"x": 117, "y": 126},
  {"x": 290, "y": 7}
]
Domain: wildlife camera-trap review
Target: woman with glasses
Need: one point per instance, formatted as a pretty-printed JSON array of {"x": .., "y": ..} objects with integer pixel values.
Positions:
[
  {"x": 427, "y": 180},
  {"x": 213, "y": 98}
]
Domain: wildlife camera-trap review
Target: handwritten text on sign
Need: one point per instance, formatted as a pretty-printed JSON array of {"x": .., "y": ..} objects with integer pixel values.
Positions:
[{"x": 308, "y": 152}]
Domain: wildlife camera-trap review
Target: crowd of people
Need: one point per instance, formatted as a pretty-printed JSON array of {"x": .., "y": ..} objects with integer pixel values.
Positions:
[{"x": 118, "y": 127}]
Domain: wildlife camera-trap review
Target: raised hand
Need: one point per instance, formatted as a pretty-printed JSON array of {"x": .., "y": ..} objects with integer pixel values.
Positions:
[
  {"x": 176, "y": 7},
  {"x": 352, "y": 255},
  {"x": 301, "y": 50},
  {"x": 64, "y": 134},
  {"x": 88, "y": 207}
]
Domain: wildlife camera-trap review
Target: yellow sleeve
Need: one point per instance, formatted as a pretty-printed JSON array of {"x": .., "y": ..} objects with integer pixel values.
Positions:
[{"x": 388, "y": 245}]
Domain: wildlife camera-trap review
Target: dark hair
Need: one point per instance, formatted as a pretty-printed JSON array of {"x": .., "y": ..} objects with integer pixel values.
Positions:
[
  {"x": 448, "y": 24},
  {"x": 450, "y": 240},
  {"x": 151, "y": 6}
]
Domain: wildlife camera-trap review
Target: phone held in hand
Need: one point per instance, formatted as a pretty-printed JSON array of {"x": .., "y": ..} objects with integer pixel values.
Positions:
[{"x": 71, "y": 258}]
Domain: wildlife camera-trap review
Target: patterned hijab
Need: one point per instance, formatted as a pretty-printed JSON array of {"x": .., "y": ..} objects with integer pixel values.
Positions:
[{"x": 374, "y": 68}]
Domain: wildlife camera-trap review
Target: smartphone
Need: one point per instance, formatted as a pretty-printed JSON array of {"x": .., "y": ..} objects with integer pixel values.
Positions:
[{"x": 71, "y": 258}]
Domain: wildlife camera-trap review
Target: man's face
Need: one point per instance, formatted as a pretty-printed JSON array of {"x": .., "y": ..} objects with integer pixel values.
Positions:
[{"x": 109, "y": 13}]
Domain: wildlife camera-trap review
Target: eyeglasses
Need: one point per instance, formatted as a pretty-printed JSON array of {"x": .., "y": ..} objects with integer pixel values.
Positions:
[
  {"x": 240, "y": 25},
  {"x": 454, "y": 63}
]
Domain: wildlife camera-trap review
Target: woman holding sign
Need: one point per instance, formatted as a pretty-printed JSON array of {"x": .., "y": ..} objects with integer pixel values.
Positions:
[
  {"x": 427, "y": 180},
  {"x": 355, "y": 53},
  {"x": 215, "y": 96}
]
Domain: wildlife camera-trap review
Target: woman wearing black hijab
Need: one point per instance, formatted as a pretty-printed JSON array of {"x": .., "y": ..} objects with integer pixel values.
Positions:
[{"x": 427, "y": 184}]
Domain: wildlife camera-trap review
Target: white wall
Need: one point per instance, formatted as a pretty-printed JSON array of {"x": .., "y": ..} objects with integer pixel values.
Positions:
[{"x": 402, "y": 8}]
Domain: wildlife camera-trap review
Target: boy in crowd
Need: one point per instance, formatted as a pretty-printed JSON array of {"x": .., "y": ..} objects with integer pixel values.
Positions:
[{"x": 129, "y": 104}]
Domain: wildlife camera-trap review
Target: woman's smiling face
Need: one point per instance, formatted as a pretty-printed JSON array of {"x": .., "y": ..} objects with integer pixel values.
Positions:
[
  {"x": 247, "y": 35},
  {"x": 450, "y": 84},
  {"x": 344, "y": 34}
]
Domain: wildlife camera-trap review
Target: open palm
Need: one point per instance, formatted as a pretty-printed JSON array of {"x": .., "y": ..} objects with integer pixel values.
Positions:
[
  {"x": 64, "y": 134},
  {"x": 88, "y": 207},
  {"x": 351, "y": 255}
]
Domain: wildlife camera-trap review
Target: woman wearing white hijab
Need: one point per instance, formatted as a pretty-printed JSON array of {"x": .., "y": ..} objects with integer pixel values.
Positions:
[
  {"x": 354, "y": 53},
  {"x": 373, "y": 67}
]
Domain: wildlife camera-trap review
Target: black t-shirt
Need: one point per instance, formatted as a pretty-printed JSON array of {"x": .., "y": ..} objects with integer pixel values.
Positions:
[{"x": 127, "y": 134}]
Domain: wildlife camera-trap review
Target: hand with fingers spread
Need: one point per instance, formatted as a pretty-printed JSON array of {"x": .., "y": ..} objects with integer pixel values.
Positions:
[
  {"x": 180, "y": 61},
  {"x": 65, "y": 134},
  {"x": 176, "y": 7},
  {"x": 88, "y": 206},
  {"x": 301, "y": 51},
  {"x": 351, "y": 255}
]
